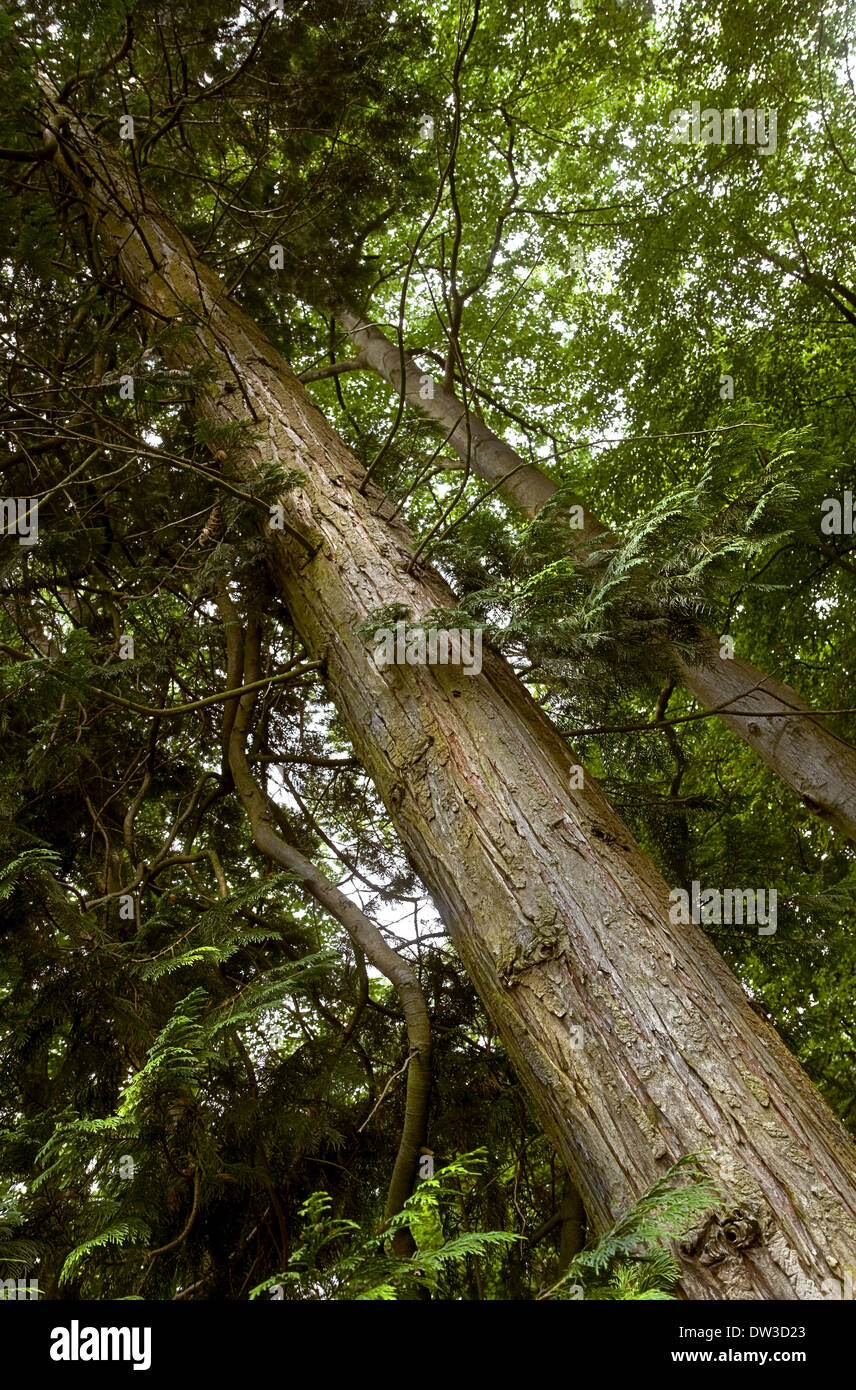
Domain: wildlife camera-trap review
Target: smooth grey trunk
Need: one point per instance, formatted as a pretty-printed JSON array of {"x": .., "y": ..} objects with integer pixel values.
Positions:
[
  {"x": 559, "y": 919},
  {"x": 816, "y": 763},
  {"x": 243, "y": 665}
]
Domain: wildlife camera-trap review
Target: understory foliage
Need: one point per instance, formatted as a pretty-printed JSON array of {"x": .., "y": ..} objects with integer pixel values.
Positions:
[
  {"x": 629, "y": 1261},
  {"x": 201, "y": 1081},
  {"x": 632, "y": 1260}
]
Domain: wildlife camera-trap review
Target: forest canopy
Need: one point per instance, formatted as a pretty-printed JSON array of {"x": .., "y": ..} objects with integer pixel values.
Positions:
[{"x": 330, "y": 977}]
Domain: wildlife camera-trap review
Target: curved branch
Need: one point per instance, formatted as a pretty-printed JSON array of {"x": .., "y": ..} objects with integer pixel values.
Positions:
[
  {"x": 162, "y": 1249},
  {"x": 208, "y": 699},
  {"x": 124, "y": 48},
  {"x": 243, "y": 661}
]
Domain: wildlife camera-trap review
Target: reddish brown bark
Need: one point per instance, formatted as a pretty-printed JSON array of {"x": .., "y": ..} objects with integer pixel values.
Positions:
[{"x": 560, "y": 920}]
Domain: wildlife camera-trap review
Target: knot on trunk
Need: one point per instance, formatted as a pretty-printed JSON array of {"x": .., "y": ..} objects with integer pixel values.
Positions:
[
  {"x": 720, "y": 1236},
  {"x": 526, "y": 955}
]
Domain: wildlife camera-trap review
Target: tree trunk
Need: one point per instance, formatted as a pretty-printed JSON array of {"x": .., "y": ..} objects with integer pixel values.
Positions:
[
  {"x": 559, "y": 919},
  {"x": 816, "y": 763},
  {"x": 243, "y": 650}
]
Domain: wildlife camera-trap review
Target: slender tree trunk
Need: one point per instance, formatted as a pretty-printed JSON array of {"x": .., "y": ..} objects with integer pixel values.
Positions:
[
  {"x": 559, "y": 919},
  {"x": 573, "y": 1232},
  {"x": 244, "y": 665},
  {"x": 816, "y": 763}
]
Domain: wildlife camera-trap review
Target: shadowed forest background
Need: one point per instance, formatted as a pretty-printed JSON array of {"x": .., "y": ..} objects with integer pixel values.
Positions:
[{"x": 260, "y": 1029}]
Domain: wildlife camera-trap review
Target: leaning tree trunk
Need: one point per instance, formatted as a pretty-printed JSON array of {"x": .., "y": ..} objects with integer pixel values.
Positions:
[
  {"x": 559, "y": 919},
  {"x": 816, "y": 763}
]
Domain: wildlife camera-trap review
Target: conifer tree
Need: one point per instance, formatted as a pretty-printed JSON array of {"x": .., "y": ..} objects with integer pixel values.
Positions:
[{"x": 212, "y": 565}]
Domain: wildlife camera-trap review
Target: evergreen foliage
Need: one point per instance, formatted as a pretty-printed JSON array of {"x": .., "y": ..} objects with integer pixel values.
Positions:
[{"x": 201, "y": 1082}]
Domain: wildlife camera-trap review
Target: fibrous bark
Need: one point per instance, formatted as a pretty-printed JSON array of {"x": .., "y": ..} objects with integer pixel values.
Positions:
[
  {"x": 559, "y": 919},
  {"x": 817, "y": 764}
]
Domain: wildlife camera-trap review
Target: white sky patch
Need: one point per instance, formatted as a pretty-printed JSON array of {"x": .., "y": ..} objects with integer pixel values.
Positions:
[{"x": 825, "y": 606}]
